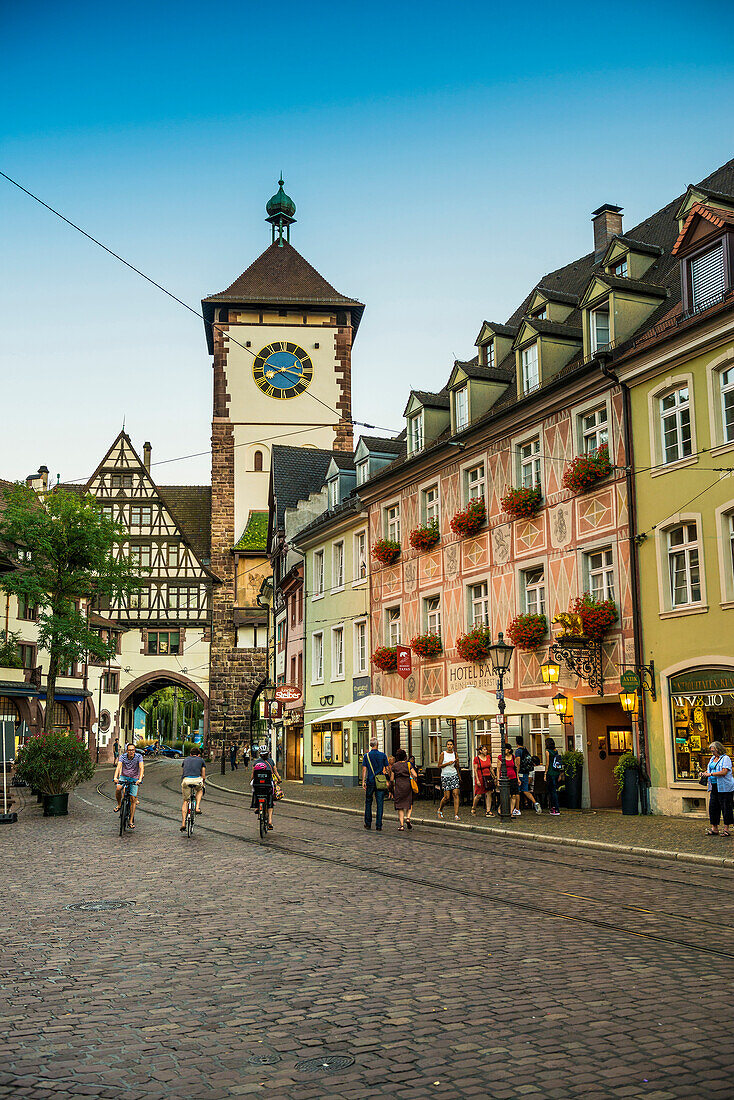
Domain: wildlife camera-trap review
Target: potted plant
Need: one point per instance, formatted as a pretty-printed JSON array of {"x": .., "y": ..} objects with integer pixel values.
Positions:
[
  {"x": 527, "y": 631},
  {"x": 9, "y": 652},
  {"x": 427, "y": 645},
  {"x": 474, "y": 645},
  {"x": 385, "y": 658},
  {"x": 522, "y": 503},
  {"x": 54, "y": 763},
  {"x": 425, "y": 537},
  {"x": 470, "y": 520},
  {"x": 597, "y": 616},
  {"x": 386, "y": 551},
  {"x": 573, "y": 763},
  {"x": 584, "y": 472},
  {"x": 627, "y": 775}
]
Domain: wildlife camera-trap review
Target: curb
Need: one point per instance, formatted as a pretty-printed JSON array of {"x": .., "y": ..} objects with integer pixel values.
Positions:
[{"x": 566, "y": 842}]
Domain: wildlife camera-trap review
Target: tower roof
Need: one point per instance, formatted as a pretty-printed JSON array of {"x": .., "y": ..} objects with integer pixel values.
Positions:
[{"x": 280, "y": 203}]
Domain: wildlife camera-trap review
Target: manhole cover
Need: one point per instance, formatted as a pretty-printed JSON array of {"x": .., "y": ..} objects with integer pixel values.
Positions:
[
  {"x": 99, "y": 906},
  {"x": 330, "y": 1063},
  {"x": 263, "y": 1059}
]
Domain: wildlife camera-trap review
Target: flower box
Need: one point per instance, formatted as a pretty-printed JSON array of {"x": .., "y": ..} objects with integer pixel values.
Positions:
[
  {"x": 597, "y": 616},
  {"x": 468, "y": 522},
  {"x": 528, "y": 631},
  {"x": 386, "y": 551},
  {"x": 474, "y": 645},
  {"x": 585, "y": 471},
  {"x": 522, "y": 503},
  {"x": 427, "y": 645},
  {"x": 425, "y": 537},
  {"x": 385, "y": 658}
]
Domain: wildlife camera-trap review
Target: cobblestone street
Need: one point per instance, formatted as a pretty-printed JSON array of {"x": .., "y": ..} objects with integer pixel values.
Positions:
[{"x": 330, "y": 961}]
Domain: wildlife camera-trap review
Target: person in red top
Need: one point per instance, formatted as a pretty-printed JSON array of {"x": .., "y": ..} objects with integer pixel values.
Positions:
[
  {"x": 511, "y": 778},
  {"x": 484, "y": 783}
]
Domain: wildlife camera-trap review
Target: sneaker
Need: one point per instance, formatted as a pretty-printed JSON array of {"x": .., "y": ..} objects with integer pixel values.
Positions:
[
  {"x": 538, "y": 810},
  {"x": 555, "y": 813},
  {"x": 516, "y": 813}
]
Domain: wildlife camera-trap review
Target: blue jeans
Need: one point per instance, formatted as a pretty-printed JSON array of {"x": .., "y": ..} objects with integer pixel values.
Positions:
[
  {"x": 551, "y": 786},
  {"x": 371, "y": 792}
]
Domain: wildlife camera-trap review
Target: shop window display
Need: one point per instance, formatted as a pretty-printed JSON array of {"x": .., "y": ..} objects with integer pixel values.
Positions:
[
  {"x": 702, "y": 711},
  {"x": 327, "y": 743}
]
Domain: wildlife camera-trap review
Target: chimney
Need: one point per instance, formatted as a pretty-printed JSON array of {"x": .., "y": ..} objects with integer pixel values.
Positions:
[
  {"x": 146, "y": 455},
  {"x": 607, "y": 221}
]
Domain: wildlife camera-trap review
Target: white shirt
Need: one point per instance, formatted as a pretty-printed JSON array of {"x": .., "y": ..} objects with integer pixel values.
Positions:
[{"x": 449, "y": 763}]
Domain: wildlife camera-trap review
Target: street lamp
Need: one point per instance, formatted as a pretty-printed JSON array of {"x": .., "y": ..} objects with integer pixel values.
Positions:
[
  {"x": 560, "y": 705},
  {"x": 224, "y": 708},
  {"x": 550, "y": 671},
  {"x": 500, "y": 655},
  {"x": 268, "y": 694},
  {"x": 628, "y": 699}
]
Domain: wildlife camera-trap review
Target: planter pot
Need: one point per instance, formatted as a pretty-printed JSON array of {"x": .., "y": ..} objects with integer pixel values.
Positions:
[
  {"x": 55, "y": 805},
  {"x": 631, "y": 792},
  {"x": 573, "y": 790}
]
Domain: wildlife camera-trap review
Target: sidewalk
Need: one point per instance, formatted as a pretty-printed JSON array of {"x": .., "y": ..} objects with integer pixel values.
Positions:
[{"x": 676, "y": 838}]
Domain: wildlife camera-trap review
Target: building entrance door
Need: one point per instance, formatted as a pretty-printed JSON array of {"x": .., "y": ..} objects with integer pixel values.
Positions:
[
  {"x": 294, "y": 753},
  {"x": 394, "y": 737},
  {"x": 608, "y": 736}
]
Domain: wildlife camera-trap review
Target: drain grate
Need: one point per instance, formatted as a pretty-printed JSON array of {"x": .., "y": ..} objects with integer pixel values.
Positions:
[
  {"x": 263, "y": 1059},
  {"x": 98, "y": 906},
  {"x": 330, "y": 1063}
]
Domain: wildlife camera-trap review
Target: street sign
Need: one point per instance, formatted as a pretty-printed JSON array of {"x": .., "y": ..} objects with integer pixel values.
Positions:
[
  {"x": 288, "y": 693},
  {"x": 629, "y": 680},
  {"x": 405, "y": 662},
  {"x": 499, "y": 694},
  {"x": 272, "y": 709}
]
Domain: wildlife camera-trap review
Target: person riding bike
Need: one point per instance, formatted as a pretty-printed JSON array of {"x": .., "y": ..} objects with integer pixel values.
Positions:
[
  {"x": 194, "y": 774},
  {"x": 129, "y": 772},
  {"x": 264, "y": 775}
]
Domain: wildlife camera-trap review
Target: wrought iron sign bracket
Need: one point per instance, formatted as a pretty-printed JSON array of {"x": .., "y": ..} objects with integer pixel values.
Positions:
[
  {"x": 647, "y": 678},
  {"x": 582, "y": 657}
]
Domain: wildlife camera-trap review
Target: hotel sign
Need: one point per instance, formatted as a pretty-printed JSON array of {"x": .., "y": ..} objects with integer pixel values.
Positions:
[{"x": 474, "y": 674}]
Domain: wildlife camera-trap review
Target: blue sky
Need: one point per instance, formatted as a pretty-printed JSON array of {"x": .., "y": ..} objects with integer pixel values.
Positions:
[{"x": 442, "y": 159}]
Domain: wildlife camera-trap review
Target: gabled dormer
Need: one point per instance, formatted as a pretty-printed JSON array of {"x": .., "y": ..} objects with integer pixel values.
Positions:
[
  {"x": 426, "y": 416},
  {"x": 701, "y": 196},
  {"x": 341, "y": 478},
  {"x": 542, "y": 348},
  {"x": 374, "y": 452},
  {"x": 473, "y": 390},
  {"x": 706, "y": 250},
  {"x": 626, "y": 258},
  {"x": 613, "y": 308},
  {"x": 494, "y": 343},
  {"x": 551, "y": 305}
]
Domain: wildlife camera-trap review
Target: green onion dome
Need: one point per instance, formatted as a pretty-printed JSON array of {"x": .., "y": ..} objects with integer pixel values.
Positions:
[{"x": 281, "y": 204}]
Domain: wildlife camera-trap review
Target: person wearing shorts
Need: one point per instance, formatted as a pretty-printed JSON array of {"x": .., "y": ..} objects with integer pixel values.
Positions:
[
  {"x": 129, "y": 771},
  {"x": 194, "y": 774}
]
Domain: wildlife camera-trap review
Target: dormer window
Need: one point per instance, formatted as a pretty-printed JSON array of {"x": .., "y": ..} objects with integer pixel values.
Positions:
[
  {"x": 489, "y": 353},
  {"x": 461, "y": 408},
  {"x": 599, "y": 328},
  {"x": 415, "y": 433},
  {"x": 333, "y": 492},
  {"x": 540, "y": 314},
  {"x": 620, "y": 269},
  {"x": 530, "y": 372},
  {"x": 707, "y": 273},
  {"x": 362, "y": 471}
]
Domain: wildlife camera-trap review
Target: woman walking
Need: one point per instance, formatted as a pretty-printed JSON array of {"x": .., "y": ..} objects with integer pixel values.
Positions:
[
  {"x": 450, "y": 781},
  {"x": 721, "y": 790},
  {"x": 552, "y": 773},
  {"x": 512, "y": 780},
  {"x": 484, "y": 782},
  {"x": 401, "y": 774}
]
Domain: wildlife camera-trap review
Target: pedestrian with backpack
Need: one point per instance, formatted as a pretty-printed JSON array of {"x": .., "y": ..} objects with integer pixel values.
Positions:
[
  {"x": 553, "y": 772},
  {"x": 525, "y": 765}
]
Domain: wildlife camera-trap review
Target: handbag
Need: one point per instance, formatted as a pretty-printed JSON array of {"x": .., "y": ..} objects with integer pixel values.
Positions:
[
  {"x": 278, "y": 792},
  {"x": 704, "y": 781},
  {"x": 380, "y": 780},
  {"x": 413, "y": 782}
]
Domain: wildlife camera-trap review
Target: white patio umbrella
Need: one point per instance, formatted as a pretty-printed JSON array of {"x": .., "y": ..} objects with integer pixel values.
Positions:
[
  {"x": 470, "y": 703},
  {"x": 378, "y": 707}
]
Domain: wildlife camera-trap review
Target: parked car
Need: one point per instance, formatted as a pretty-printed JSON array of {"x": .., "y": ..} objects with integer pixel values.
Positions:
[{"x": 168, "y": 751}]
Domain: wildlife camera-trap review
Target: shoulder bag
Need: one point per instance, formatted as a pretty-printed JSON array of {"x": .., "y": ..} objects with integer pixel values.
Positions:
[
  {"x": 413, "y": 782},
  {"x": 380, "y": 780}
]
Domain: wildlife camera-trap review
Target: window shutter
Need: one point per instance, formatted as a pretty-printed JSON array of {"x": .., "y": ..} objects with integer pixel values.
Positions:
[{"x": 708, "y": 277}]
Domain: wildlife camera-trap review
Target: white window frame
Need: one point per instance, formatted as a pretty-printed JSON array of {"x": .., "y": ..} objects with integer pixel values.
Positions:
[
  {"x": 416, "y": 436},
  {"x": 530, "y": 358},
  {"x": 474, "y": 487},
  {"x": 477, "y": 604},
  {"x": 432, "y": 613},
  {"x": 318, "y": 574},
  {"x": 461, "y": 407},
  {"x": 606, "y": 572},
  {"x": 725, "y": 546},
  {"x": 392, "y": 523},
  {"x": 333, "y": 492},
  {"x": 592, "y": 437},
  {"x": 667, "y": 610},
  {"x": 361, "y": 558},
  {"x": 687, "y": 551},
  {"x": 317, "y": 665},
  {"x": 707, "y": 299},
  {"x": 616, "y": 268},
  {"x": 393, "y": 625},
  {"x": 676, "y": 414},
  {"x": 338, "y": 657},
  {"x": 599, "y": 311},
  {"x": 727, "y": 389},
  {"x": 536, "y": 590},
  {"x": 338, "y": 564},
  {"x": 431, "y": 504},
  {"x": 529, "y": 463},
  {"x": 654, "y": 398},
  {"x": 363, "y": 471},
  {"x": 361, "y": 658},
  {"x": 489, "y": 348}
]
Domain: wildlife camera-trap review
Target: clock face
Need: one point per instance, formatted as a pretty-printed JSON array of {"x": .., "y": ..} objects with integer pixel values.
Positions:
[{"x": 282, "y": 370}]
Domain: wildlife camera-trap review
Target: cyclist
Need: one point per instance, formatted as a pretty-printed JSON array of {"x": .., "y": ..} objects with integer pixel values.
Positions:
[
  {"x": 264, "y": 774},
  {"x": 129, "y": 772},
  {"x": 194, "y": 774}
]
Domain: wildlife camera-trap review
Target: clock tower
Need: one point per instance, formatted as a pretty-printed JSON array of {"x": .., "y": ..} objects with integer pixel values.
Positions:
[{"x": 281, "y": 340}]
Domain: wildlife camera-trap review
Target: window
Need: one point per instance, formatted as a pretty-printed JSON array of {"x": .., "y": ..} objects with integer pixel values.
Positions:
[
  {"x": 68, "y": 670},
  {"x": 434, "y": 741},
  {"x": 490, "y": 353},
  {"x": 392, "y": 626},
  {"x": 140, "y": 555},
  {"x": 702, "y": 710},
  {"x": 530, "y": 375},
  {"x": 122, "y": 481},
  {"x": 108, "y": 511},
  {"x": 139, "y": 599},
  {"x": 360, "y": 556},
  {"x": 461, "y": 408},
  {"x": 337, "y": 566},
  {"x": 257, "y": 464},
  {"x": 430, "y": 504},
  {"x": 474, "y": 483},
  {"x": 530, "y": 464},
  {"x": 27, "y": 609},
  {"x": 27, "y": 654},
  {"x": 318, "y": 573},
  {"x": 280, "y": 635},
  {"x": 161, "y": 642},
  {"x": 708, "y": 277},
  {"x": 317, "y": 662},
  {"x": 432, "y": 614},
  {"x": 600, "y": 573},
  {"x": 333, "y": 492},
  {"x": 362, "y": 471},
  {"x": 478, "y": 604},
  {"x": 684, "y": 572},
  {"x": 337, "y": 652},
  {"x": 141, "y": 515},
  {"x": 415, "y": 433},
  {"x": 620, "y": 269},
  {"x": 726, "y": 382},
  {"x": 326, "y": 743},
  {"x": 360, "y": 647},
  {"x": 730, "y": 531},
  {"x": 392, "y": 522},
  {"x": 541, "y": 314},
  {"x": 599, "y": 326},
  {"x": 110, "y": 682},
  {"x": 675, "y": 420},
  {"x": 183, "y": 597},
  {"x": 172, "y": 554},
  {"x": 594, "y": 429},
  {"x": 533, "y": 587},
  {"x": 293, "y": 669}
]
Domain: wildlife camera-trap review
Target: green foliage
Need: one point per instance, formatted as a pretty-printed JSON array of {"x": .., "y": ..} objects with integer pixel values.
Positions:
[
  {"x": 160, "y": 708},
  {"x": 54, "y": 762},
  {"x": 629, "y": 760},
  {"x": 573, "y": 760},
  {"x": 9, "y": 652}
]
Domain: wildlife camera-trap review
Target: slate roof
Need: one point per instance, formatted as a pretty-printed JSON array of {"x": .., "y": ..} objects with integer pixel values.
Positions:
[
  {"x": 618, "y": 282},
  {"x": 432, "y": 400},
  {"x": 565, "y": 329},
  {"x": 191, "y": 506},
  {"x": 502, "y": 330},
  {"x": 377, "y": 444},
  {"x": 351, "y": 503},
  {"x": 635, "y": 245},
  {"x": 255, "y": 535},
  {"x": 558, "y": 296},
  {"x": 472, "y": 369},
  {"x": 344, "y": 460},
  {"x": 295, "y": 473}
]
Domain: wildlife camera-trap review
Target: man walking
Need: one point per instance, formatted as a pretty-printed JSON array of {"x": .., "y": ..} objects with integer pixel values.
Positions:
[
  {"x": 525, "y": 766},
  {"x": 374, "y": 782},
  {"x": 233, "y": 757}
]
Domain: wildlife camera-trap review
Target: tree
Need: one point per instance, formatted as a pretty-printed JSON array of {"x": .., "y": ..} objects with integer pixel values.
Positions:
[{"x": 68, "y": 552}]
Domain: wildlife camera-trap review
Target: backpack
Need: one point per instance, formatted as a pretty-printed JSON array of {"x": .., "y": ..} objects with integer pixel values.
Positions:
[
  {"x": 556, "y": 764},
  {"x": 526, "y": 762}
]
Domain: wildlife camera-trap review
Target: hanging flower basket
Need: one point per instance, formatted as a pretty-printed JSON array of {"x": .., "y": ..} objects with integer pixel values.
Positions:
[
  {"x": 587, "y": 470},
  {"x": 528, "y": 631},
  {"x": 597, "y": 616},
  {"x": 468, "y": 522},
  {"x": 522, "y": 503},
  {"x": 427, "y": 645},
  {"x": 474, "y": 645},
  {"x": 425, "y": 537},
  {"x": 386, "y": 551},
  {"x": 385, "y": 658}
]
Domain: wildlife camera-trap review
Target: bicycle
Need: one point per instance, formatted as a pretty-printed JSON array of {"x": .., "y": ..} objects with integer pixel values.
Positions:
[
  {"x": 262, "y": 796},
  {"x": 126, "y": 804},
  {"x": 191, "y": 811}
]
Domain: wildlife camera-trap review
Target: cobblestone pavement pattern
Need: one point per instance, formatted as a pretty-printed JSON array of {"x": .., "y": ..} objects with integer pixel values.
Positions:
[{"x": 442, "y": 964}]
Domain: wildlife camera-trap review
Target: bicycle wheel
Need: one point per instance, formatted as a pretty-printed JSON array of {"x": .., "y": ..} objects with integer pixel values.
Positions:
[
  {"x": 263, "y": 818},
  {"x": 124, "y": 811},
  {"x": 190, "y": 817}
]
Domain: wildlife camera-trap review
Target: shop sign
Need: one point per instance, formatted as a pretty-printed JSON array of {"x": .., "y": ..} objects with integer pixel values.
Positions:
[
  {"x": 272, "y": 709},
  {"x": 288, "y": 693},
  {"x": 360, "y": 687},
  {"x": 629, "y": 680},
  {"x": 475, "y": 674},
  {"x": 405, "y": 662},
  {"x": 703, "y": 681}
]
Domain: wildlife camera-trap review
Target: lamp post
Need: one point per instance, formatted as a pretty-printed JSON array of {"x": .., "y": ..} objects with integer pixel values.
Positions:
[
  {"x": 268, "y": 694},
  {"x": 224, "y": 708},
  {"x": 500, "y": 654},
  {"x": 560, "y": 705}
]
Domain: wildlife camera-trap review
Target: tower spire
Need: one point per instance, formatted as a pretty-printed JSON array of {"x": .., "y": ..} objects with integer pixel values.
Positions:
[{"x": 281, "y": 209}]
